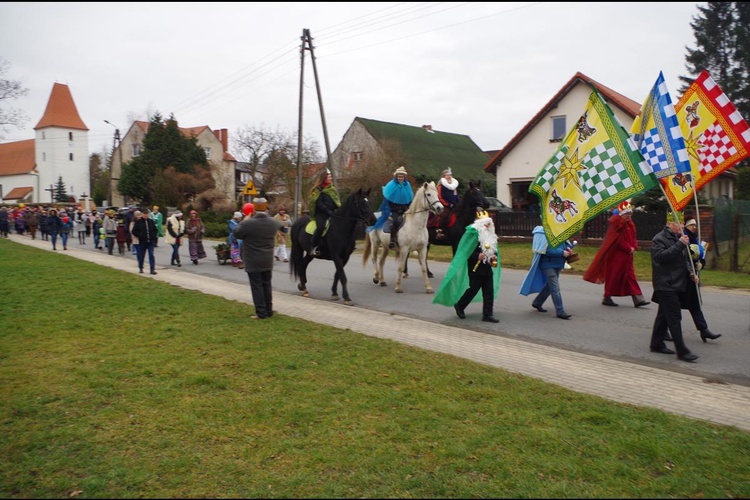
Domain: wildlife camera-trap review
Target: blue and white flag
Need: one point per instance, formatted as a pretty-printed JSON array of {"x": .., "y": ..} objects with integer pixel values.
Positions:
[{"x": 656, "y": 131}]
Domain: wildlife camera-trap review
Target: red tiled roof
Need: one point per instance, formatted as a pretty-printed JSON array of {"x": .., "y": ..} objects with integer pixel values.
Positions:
[
  {"x": 629, "y": 106},
  {"x": 187, "y": 132},
  {"x": 61, "y": 110},
  {"x": 19, "y": 193},
  {"x": 17, "y": 157}
]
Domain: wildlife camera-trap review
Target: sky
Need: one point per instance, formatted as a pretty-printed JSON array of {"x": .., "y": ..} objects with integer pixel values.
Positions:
[{"x": 481, "y": 69}]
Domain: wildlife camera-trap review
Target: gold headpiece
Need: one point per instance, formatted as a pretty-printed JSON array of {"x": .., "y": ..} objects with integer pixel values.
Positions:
[{"x": 483, "y": 214}]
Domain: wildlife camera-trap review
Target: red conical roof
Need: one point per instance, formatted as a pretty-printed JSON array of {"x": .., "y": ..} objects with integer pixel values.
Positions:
[{"x": 61, "y": 110}]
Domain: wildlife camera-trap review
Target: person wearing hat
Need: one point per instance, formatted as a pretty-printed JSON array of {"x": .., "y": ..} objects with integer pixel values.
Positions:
[
  {"x": 158, "y": 219},
  {"x": 476, "y": 266},
  {"x": 324, "y": 201},
  {"x": 397, "y": 196},
  {"x": 235, "y": 252},
  {"x": 195, "y": 230},
  {"x": 447, "y": 190},
  {"x": 286, "y": 223},
  {"x": 258, "y": 234},
  {"x": 613, "y": 263},
  {"x": 173, "y": 236},
  {"x": 543, "y": 276},
  {"x": 692, "y": 300}
]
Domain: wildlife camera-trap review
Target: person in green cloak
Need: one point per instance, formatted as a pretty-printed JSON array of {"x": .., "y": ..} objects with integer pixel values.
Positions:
[
  {"x": 324, "y": 200},
  {"x": 475, "y": 266}
]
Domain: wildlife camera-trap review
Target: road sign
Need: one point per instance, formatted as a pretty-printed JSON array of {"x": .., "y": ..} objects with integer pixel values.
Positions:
[{"x": 249, "y": 189}]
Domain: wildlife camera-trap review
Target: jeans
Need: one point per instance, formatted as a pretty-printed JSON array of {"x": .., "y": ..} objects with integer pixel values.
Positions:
[
  {"x": 64, "y": 238},
  {"x": 175, "y": 253},
  {"x": 142, "y": 249},
  {"x": 53, "y": 239},
  {"x": 551, "y": 288}
]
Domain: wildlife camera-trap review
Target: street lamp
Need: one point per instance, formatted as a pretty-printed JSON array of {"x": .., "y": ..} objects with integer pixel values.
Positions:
[{"x": 116, "y": 144}]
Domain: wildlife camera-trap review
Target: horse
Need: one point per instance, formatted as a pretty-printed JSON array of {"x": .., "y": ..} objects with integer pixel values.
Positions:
[
  {"x": 465, "y": 213},
  {"x": 412, "y": 236},
  {"x": 336, "y": 244}
]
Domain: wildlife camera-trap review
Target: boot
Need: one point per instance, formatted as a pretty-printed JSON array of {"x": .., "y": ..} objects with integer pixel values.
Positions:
[
  {"x": 607, "y": 301},
  {"x": 706, "y": 334}
]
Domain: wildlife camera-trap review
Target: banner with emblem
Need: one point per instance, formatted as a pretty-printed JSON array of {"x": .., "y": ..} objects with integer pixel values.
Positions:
[
  {"x": 596, "y": 167},
  {"x": 716, "y": 137},
  {"x": 656, "y": 131}
]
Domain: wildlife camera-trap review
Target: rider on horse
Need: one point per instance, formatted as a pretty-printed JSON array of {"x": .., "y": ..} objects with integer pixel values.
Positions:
[
  {"x": 448, "y": 194},
  {"x": 397, "y": 196},
  {"x": 324, "y": 200}
]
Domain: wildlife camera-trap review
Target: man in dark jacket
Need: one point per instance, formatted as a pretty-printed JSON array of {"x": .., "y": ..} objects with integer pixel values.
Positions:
[
  {"x": 258, "y": 235},
  {"x": 671, "y": 272},
  {"x": 145, "y": 230}
]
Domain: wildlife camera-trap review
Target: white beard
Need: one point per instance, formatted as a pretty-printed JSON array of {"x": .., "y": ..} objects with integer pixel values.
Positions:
[
  {"x": 487, "y": 238},
  {"x": 449, "y": 185}
]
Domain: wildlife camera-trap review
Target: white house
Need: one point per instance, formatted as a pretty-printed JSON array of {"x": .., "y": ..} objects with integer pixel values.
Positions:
[{"x": 30, "y": 169}]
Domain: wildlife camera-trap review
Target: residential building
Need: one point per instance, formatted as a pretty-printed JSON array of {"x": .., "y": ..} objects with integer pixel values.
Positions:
[
  {"x": 214, "y": 143},
  {"x": 518, "y": 162},
  {"x": 31, "y": 169},
  {"x": 423, "y": 151}
]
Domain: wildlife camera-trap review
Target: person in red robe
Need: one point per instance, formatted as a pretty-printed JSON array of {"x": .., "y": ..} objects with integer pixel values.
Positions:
[{"x": 613, "y": 263}]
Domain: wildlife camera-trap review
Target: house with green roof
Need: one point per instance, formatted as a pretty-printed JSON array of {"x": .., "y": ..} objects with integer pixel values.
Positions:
[{"x": 381, "y": 147}]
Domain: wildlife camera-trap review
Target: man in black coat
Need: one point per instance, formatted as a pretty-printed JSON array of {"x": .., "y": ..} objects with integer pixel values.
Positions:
[
  {"x": 671, "y": 271},
  {"x": 145, "y": 230},
  {"x": 258, "y": 235}
]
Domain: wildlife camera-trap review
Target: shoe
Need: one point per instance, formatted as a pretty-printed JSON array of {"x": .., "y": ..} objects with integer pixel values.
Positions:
[
  {"x": 195, "y": 262},
  {"x": 315, "y": 252},
  {"x": 153, "y": 272},
  {"x": 539, "y": 308},
  {"x": 65, "y": 248},
  {"x": 172, "y": 263},
  {"x": 179, "y": 264},
  {"x": 255, "y": 316},
  {"x": 490, "y": 319},
  {"x": 662, "y": 350},
  {"x": 459, "y": 312},
  {"x": 286, "y": 260},
  {"x": 706, "y": 334},
  {"x": 564, "y": 316},
  {"x": 689, "y": 357},
  {"x": 609, "y": 302},
  {"x": 642, "y": 303},
  {"x": 277, "y": 258},
  {"x": 140, "y": 271}
]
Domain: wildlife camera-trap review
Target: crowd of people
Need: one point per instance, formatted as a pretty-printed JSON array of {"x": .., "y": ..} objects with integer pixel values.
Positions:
[{"x": 256, "y": 238}]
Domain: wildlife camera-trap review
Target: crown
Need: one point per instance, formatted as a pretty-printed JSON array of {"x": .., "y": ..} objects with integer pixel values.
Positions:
[
  {"x": 625, "y": 207},
  {"x": 483, "y": 214}
]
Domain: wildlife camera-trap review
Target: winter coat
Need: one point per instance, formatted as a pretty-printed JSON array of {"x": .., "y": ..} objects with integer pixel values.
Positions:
[
  {"x": 670, "y": 263},
  {"x": 257, "y": 234},
  {"x": 145, "y": 231},
  {"x": 175, "y": 230}
]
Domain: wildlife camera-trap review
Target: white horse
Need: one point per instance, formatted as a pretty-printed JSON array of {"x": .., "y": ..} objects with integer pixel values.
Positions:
[{"x": 412, "y": 236}]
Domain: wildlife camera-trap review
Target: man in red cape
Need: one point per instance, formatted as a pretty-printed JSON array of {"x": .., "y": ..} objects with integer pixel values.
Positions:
[{"x": 613, "y": 263}]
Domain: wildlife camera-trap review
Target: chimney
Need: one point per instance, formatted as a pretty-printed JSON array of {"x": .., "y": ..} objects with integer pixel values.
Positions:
[
  {"x": 427, "y": 127},
  {"x": 223, "y": 136}
]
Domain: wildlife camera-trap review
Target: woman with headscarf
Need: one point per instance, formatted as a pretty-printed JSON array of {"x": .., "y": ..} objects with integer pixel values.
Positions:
[{"x": 195, "y": 230}]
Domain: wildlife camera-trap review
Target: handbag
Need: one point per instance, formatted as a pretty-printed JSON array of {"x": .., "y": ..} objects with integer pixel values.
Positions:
[{"x": 573, "y": 257}]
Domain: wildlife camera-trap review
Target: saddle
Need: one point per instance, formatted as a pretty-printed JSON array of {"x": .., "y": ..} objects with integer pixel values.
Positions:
[
  {"x": 443, "y": 221},
  {"x": 310, "y": 227}
]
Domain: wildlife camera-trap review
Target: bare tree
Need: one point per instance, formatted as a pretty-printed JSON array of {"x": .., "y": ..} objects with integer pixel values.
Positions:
[{"x": 11, "y": 89}]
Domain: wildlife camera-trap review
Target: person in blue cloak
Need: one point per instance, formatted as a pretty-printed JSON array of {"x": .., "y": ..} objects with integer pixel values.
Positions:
[
  {"x": 544, "y": 275},
  {"x": 475, "y": 266},
  {"x": 397, "y": 196}
]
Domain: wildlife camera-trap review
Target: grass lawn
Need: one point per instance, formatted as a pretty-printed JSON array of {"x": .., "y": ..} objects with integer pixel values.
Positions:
[{"x": 114, "y": 386}]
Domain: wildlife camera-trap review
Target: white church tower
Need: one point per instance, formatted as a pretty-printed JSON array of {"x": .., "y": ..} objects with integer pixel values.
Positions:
[{"x": 62, "y": 147}]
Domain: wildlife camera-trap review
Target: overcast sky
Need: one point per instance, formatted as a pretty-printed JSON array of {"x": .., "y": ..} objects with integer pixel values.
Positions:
[{"x": 473, "y": 68}]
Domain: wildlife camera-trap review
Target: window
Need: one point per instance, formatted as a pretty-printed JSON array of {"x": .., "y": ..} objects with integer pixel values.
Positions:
[
  {"x": 136, "y": 149},
  {"x": 558, "y": 129},
  {"x": 44, "y": 156},
  {"x": 357, "y": 156},
  {"x": 44, "y": 135},
  {"x": 70, "y": 136},
  {"x": 71, "y": 156},
  {"x": 208, "y": 152}
]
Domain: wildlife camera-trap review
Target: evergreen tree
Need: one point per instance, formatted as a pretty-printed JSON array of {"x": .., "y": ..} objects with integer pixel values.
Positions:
[
  {"x": 166, "y": 153},
  {"x": 61, "y": 192}
]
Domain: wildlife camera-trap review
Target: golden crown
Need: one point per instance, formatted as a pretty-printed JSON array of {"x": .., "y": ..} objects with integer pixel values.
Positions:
[{"x": 483, "y": 214}]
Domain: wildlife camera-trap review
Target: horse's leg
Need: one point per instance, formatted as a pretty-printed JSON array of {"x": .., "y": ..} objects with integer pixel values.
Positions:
[
  {"x": 427, "y": 250},
  {"x": 423, "y": 262},
  {"x": 302, "y": 285},
  {"x": 381, "y": 264},
  {"x": 402, "y": 255},
  {"x": 335, "y": 286},
  {"x": 405, "y": 274},
  {"x": 341, "y": 276},
  {"x": 374, "y": 241}
]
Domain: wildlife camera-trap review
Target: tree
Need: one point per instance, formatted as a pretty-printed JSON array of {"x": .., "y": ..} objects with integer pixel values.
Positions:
[
  {"x": 61, "y": 192},
  {"x": 98, "y": 178},
  {"x": 167, "y": 157},
  {"x": 10, "y": 89},
  {"x": 272, "y": 159}
]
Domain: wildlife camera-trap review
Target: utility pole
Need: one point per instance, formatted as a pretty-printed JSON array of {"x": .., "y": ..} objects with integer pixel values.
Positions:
[
  {"x": 116, "y": 144},
  {"x": 307, "y": 45}
]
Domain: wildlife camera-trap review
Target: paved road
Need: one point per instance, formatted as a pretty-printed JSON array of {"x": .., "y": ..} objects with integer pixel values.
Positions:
[{"x": 620, "y": 333}]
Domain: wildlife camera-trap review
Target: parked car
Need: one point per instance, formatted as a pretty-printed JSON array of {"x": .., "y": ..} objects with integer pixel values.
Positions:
[{"x": 497, "y": 205}]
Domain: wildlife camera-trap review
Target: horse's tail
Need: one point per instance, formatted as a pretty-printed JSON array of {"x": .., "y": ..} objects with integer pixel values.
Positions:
[
  {"x": 367, "y": 250},
  {"x": 297, "y": 254}
]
